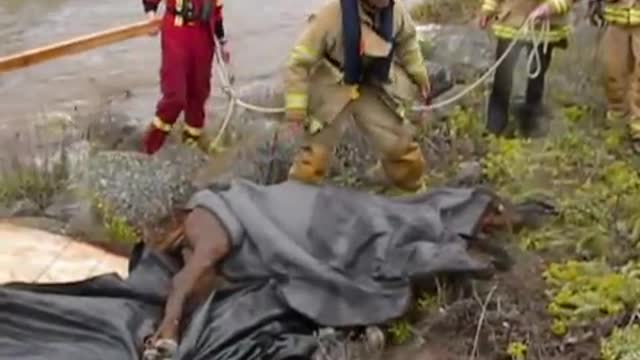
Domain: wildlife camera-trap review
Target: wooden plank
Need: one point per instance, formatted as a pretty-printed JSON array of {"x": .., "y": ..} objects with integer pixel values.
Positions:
[{"x": 76, "y": 45}]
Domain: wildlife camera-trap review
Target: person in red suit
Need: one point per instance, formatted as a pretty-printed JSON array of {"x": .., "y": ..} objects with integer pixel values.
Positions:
[{"x": 187, "y": 30}]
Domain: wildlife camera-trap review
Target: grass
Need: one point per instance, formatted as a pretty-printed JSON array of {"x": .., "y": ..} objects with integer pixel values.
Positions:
[{"x": 27, "y": 173}]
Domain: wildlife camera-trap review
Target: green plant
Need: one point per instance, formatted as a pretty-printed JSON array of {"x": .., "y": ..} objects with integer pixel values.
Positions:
[
  {"x": 117, "y": 227},
  {"x": 622, "y": 344},
  {"x": 517, "y": 350},
  {"x": 400, "y": 331},
  {"x": 36, "y": 177},
  {"x": 582, "y": 292}
]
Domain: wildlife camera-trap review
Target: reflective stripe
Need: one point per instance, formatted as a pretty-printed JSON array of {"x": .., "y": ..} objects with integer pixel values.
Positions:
[
  {"x": 560, "y": 6},
  {"x": 296, "y": 101},
  {"x": 489, "y": 5},
  {"x": 634, "y": 128},
  {"x": 622, "y": 16},
  {"x": 192, "y": 131},
  {"x": 614, "y": 116},
  {"x": 354, "y": 92},
  {"x": 191, "y": 142},
  {"x": 302, "y": 55},
  {"x": 161, "y": 125},
  {"x": 414, "y": 47},
  {"x": 419, "y": 72},
  {"x": 178, "y": 20},
  {"x": 508, "y": 32},
  {"x": 401, "y": 111}
]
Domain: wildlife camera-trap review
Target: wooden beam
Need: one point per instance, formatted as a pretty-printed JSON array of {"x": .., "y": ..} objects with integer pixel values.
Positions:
[{"x": 76, "y": 45}]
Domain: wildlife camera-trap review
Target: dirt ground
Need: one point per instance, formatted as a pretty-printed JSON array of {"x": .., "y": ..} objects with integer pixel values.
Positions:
[{"x": 511, "y": 309}]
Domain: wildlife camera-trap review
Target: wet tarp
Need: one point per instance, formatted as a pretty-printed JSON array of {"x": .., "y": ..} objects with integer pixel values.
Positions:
[
  {"x": 108, "y": 318},
  {"x": 302, "y": 257},
  {"x": 330, "y": 247}
]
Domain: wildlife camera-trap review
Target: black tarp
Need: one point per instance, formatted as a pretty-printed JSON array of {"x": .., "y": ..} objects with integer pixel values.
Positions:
[
  {"x": 330, "y": 247},
  {"x": 258, "y": 317},
  {"x": 107, "y": 317}
]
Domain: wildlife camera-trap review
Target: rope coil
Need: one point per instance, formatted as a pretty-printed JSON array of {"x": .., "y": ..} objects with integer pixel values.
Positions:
[{"x": 526, "y": 31}]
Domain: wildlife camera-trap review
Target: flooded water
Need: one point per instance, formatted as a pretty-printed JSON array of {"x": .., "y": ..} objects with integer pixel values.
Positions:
[{"x": 260, "y": 34}]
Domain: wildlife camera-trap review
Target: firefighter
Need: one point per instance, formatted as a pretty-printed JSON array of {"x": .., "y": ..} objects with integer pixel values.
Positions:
[
  {"x": 360, "y": 59},
  {"x": 187, "y": 31},
  {"x": 507, "y": 16},
  {"x": 621, "y": 55}
]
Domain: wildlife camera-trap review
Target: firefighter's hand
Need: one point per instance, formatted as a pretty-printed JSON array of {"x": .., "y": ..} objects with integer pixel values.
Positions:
[
  {"x": 152, "y": 16},
  {"x": 542, "y": 12},
  {"x": 425, "y": 95},
  {"x": 483, "y": 20},
  {"x": 226, "y": 55},
  {"x": 295, "y": 122}
]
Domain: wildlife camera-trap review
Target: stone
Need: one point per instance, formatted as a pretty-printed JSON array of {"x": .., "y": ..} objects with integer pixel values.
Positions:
[
  {"x": 25, "y": 207},
  {"x": 469, "y": 172}
]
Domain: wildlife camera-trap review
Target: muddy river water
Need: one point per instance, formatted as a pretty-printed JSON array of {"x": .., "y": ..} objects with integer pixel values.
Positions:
[{"x": 260, "y": 33}]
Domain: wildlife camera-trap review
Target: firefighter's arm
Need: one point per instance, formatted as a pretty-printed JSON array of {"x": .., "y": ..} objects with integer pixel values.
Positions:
[
  {"x": 409, "y": 53},
  {"x": 150, "y": 6},
  {"x": 307, "y": 51},
  {"x": 552, "y": 7}
]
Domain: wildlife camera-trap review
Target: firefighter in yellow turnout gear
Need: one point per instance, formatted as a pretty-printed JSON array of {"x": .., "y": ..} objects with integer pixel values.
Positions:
[
  {"x": 621, "y": 55},
  {"x": 506, "y": 18},
  {"x": 359, "y": 59}
]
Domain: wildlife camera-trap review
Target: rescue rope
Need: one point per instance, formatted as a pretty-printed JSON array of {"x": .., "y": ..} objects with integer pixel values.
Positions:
[
  {"x": 234, "y": 100},
  {"x": 526, "y": 31}
]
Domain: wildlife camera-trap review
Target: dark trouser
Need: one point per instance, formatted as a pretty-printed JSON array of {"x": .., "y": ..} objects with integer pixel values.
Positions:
[{"x": 499, "y": 100}]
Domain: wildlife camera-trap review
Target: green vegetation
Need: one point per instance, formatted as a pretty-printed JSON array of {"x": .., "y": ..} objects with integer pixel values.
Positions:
[
  {"x": 38, "y": 180},
  {"x": 592, "y": 247},
  {"x": 622, "y": 344},
  {"x": 117, "y": 227}
]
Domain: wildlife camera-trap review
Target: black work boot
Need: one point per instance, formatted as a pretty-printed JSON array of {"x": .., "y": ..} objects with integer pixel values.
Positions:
[
  {"x": 530, "y": 120},
  {"x": 497, "y": 119}
]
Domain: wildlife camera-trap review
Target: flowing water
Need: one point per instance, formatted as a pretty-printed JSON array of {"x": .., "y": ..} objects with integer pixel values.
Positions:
[{"x": 260, "y": 33}]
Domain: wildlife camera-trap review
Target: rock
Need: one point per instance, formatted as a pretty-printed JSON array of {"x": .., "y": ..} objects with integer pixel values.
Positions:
[
  {"x": 140, "y": 188},
  {"x": 469, "y": 172},
  {"x": 25, "y": 207},
  {"x": 5, "y": 211},
  {"x": 466, "y": 51},
  {"x": 64, "y": 206},
  {"x": 572, "y": 79},
  {"x": 109, "y": 131}
]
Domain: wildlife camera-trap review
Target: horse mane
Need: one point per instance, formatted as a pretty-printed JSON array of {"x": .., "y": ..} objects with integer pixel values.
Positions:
[{"x": 172, "y": 238}]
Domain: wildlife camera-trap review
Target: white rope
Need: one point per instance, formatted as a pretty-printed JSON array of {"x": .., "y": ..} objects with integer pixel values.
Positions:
[
  {"x": 226, "y": 84},
  {"x": 527, "y": 31}
]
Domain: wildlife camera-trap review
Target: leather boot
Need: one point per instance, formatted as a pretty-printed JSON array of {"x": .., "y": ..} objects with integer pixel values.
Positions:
[{"x": 310, "y": 165}]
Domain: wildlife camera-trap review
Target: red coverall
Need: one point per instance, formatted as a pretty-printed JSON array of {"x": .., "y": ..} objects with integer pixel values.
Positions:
[{"x": 185, "y": 73}]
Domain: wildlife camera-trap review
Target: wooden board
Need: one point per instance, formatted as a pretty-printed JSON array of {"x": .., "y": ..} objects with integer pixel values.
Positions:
[
  {"x": 76, "y": 45},
  {"x": 31, "y": 255}
]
